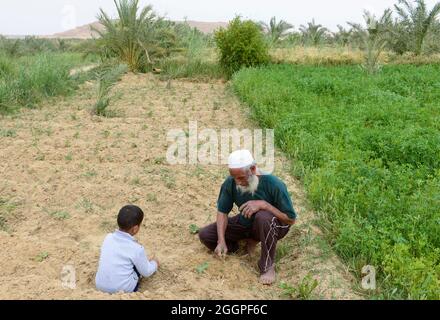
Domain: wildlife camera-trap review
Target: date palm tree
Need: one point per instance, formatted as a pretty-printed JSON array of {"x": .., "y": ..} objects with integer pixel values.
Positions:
[
  {"x": 373, "y": 38},
  {"x": 417, "y": 20},
  {"x": 275, "y": 30},
  {"x": 137, "y": 36},
  {"x": 313, "y": 33}
]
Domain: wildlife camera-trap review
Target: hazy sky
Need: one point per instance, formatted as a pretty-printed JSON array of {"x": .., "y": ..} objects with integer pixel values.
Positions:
[{"x": 20, "y": 17}]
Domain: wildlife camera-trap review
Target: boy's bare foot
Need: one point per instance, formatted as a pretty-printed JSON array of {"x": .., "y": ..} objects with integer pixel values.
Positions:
[
  {"x": 250, "y": 246},
  {"x": 269, "y": 277}
]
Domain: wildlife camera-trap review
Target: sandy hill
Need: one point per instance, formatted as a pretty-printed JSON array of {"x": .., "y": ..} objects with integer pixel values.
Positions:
[{"x": 85, "y": 32}]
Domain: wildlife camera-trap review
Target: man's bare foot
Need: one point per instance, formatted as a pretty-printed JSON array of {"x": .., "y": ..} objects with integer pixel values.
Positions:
[
  {"x": 269, "y": 277},
  {"x": 251, "y": 244}
]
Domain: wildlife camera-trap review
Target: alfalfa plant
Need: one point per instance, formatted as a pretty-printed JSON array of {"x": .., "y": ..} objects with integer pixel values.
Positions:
[{"x": 106, "y": 78}]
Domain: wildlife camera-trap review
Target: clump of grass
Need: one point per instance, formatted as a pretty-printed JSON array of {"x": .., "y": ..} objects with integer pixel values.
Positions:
[
  {"x": 8, "y": 133},
  {"x": 60, "y": 215},
  {"x": 283, "y": 249},
  {"x": 174, "y": 68},
  {"x": 151, "y": 197},
  {"x": 304, "y": 290},
  {"x": 108, "y": 226},
  {"x": 86, "y": 204},
  {"x": 7, "y": 208},
  {"x": 106, "y": 77}
]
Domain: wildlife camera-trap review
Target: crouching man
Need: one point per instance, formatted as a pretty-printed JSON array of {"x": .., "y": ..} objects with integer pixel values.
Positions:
[{"x": 266, "y": 213}]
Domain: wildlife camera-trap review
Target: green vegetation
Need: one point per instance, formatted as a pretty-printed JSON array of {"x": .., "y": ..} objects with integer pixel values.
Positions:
[
  {"x": 194, "y": 229},
  {"x": 368, "y": 151},
  {"x": 7, "y": 209},
  {"x": 107, "y": 76},
  {"x": 26, "y": 81},
  {"x": 304, "y": 290},
  {"x": 42, "y": 256},
  {"x": 415, "y": 24},
  {"x": 137, "y": 37},
  {"x": 202, "y": 268},
  {"x": 241, "y": 44},
  {"x": 373, "y": 38},
  {"x": 275, "y": 30}
]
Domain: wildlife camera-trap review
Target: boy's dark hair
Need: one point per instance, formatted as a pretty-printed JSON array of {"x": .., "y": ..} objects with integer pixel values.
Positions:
[{"x": 130, "y": 216}]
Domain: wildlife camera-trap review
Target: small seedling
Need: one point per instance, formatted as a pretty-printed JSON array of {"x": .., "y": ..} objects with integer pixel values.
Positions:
[
  {"x": 90, "y": 174},
  {"x": 8, "y": 133},
  {"x": 202, "y": 268},
  {"x": 151, "y": 197},
  {"x": 60, "y": 215},
  {"x": 194, "y": 229},
  {"x": 42, "y": 256}
]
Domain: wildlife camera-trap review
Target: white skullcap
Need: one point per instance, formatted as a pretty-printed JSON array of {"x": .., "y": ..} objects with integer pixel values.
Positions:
[{"x": 240, "y": 159}]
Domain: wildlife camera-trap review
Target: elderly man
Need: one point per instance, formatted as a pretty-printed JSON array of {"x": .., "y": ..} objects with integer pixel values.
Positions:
[{"x": 266, "y": 213}]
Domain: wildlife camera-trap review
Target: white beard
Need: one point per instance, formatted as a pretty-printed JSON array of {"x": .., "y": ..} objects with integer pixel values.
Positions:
[{"x": 252, "y": 187}]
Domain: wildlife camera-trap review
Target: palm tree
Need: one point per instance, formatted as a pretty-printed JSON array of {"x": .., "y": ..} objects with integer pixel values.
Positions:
[
  {"x": 342, "y": 36},
  {"x": 313, "y": 33},
  {"x": 137, "y": 36},
  {"x": 275, "y": 30},
  {"x": 417, "y": 20},
  {"x": 374, "y": 37}
]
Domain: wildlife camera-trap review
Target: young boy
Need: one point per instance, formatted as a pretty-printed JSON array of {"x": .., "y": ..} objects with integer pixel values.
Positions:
[{"x": 123, "y": 260}]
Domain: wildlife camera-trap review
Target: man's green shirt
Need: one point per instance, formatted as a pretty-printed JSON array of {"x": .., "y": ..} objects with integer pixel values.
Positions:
[{"x": 270, "y": 189}]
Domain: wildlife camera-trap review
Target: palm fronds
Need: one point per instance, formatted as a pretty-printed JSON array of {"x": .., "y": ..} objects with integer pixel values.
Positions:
[
  {"x": 275, "y": 30},
  {"x": 137, "y": 37},
  {"x": 106, "y": 77},
  {"x": 416, "y": 20}
]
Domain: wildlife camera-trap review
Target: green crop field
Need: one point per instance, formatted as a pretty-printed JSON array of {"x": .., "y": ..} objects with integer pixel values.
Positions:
[
  {"x": 368, "y": 151},
  {"x": 28, "y": 80}
]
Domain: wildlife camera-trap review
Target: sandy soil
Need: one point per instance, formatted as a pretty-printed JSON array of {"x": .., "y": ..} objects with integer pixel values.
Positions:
[{"x": 65, "y": 174}]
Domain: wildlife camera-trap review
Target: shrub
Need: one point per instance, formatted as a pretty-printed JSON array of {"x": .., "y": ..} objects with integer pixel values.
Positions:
[{"x": 241, "y": 44}]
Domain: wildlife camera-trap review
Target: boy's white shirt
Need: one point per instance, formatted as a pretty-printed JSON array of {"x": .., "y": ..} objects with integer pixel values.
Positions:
[{"x": 120, "y": 253}]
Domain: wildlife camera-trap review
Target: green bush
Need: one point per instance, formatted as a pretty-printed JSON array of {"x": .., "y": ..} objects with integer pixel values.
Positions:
[
  {"x": 241, "y": 44},
  {"x": 367, "y": 149}
]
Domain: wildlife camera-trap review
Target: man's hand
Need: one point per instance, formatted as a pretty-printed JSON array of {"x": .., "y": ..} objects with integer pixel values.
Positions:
[
  {"x": 252, "y": 207},
  {"x": 221, "y": 249}
]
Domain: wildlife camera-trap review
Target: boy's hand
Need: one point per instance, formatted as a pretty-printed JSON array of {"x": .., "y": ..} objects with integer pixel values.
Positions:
[{"x": 153, "y": 258}]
